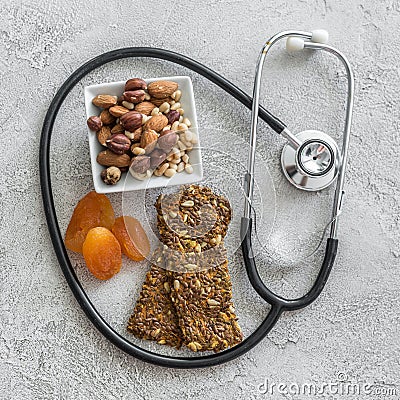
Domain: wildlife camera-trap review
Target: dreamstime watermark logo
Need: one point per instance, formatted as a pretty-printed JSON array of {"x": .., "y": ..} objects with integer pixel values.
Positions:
[{"x": 342, "y": 385}]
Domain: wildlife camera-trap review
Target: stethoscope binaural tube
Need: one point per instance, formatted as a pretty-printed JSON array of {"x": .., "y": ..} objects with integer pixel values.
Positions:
[{"x": 246, "y": 223}]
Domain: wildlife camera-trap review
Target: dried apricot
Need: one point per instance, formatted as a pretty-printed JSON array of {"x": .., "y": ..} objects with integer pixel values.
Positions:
[
  {"x": 92, "y": 210},
  {"x": 102, "y": 253},
  {"x": 132, "y": 238}
]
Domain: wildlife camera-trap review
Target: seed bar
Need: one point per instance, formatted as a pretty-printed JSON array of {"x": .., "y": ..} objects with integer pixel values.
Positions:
[
  {"x": 203, "y": 303},
  {"x": 154, "y": 316}
]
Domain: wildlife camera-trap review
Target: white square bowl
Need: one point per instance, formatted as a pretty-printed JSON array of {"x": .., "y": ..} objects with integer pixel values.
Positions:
[{"x": 127, "y": 182}]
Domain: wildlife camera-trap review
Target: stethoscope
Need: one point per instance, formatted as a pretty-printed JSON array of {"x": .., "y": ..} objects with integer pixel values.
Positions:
[{"x": 311, "y": 160}]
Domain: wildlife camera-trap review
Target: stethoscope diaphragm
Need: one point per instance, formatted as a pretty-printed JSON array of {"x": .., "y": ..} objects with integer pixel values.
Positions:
[{"x": 314, "y": 164}]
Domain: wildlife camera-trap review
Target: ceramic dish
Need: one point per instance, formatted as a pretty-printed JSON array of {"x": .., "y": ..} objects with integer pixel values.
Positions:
[{"x": 127, "y": 182}]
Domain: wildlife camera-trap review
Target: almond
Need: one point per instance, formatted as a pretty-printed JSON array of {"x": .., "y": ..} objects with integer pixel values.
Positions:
[
  {"x": 161, "y": 89},
  {"x": 104, "y": 101},
  {"x": 109, "y": 159},
  {"x": 118, "y": 129},
  {"x": 148, "y": 140},
  {"x": 118, "y": 111},
  {"x": 145, "y": 107},
  {"x": 103, "y": 134},
  {"x": 157, "y": 122},
  {"x": 106, "y": 117},
  {"x": 158, "y": 102}
]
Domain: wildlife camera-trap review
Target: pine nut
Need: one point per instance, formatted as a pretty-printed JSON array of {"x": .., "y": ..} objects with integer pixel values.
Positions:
[
  {"x": 144, "y": 119},
  {"x": 185, "y": 158},
  {"x": 181, "y": 167},
  {"x": 147, "y": 97},
  {"x": 163, "y": 168},
  {"x": 155, "y": 111},
  {"x": 182, "y": 127},
  {"x": 169, "y": 173},
  {"x": 177, "y": 95},
  {"x": 167, "y": 128},
  {"x": 188, "y": 169},
  {"x": 188, "y": 203},
  {"x": 128, "y": 105},
  {"x": 181, "y": 111},
  {"x": 164, "y": 107},
  {"x": 188, "y": 136},
  {"x": 129, "y": 135},
  {"x": 181, "y": 145},
  {"x": 174, "y": 151},
  {"x": 173, "y": 166},
  {"x": 176, "y": 106},
  {"x": 175, "y": 161},
  {"x": 187, "y": 122},
  {"x": 180, "y": 119},
  {"x": 174, "y": 126},
  {"x": 138, "y": 151},
  {"x": 195, "y": 139}
]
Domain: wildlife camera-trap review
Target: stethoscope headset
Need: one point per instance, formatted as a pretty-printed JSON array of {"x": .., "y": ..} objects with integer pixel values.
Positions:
[{"x": 311, "y": 161}]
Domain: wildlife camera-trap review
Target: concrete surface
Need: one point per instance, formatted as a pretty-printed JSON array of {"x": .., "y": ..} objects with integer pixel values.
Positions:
[{"x": 48, "y": 349}]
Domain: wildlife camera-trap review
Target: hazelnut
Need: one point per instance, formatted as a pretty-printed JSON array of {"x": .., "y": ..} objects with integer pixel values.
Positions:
[
  {"x": 94, "y": 123},
  {"x": 172, "y": 116},
  {"x": 111, "y": 175},
  {"x": 131, "y": 120},
  {"x": 118, "y": 143},
  {"x": 135, "y": 84},
  {"x": 167, "y": 140},
  {"x": 134, "y": 96},
  {"x": 140, "y": 164},
  {"x": 157, "y": 156},
  {"x": 148, "y": 140}
]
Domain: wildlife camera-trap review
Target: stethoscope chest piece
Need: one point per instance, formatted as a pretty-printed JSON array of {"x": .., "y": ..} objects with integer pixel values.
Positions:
[{"x": 314, "y": 164}]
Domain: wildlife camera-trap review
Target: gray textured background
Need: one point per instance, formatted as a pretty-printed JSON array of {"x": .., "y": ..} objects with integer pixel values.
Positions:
[{"x": 48, "y": 349}]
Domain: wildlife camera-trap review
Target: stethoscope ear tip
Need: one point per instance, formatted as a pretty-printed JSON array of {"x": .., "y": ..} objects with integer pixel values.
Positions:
[
  {"x": 320, "y": 36},
  {"x": 295, "y": 43}
]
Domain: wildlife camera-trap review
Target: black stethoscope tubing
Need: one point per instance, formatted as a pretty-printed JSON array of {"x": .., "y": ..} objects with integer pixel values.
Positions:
[{"x": 278, "y": 304}]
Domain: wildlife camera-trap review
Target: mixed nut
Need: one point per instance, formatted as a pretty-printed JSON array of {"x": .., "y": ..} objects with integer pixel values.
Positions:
[{"x": 143, "y": 131}]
